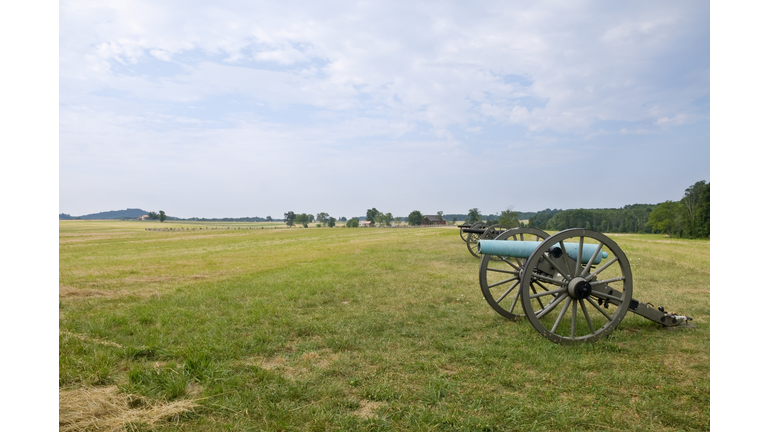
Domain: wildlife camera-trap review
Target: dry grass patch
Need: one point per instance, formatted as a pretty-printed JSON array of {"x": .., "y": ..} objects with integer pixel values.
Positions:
[
  {"x": 70, "y": 293},
  {"x": 367, "y": 409},
  {"x": 268, "y": 363},
  {"x": 89, "y": 339},
  {"x": 105, "y": 408},
  {"x": 321, "y": 360}
]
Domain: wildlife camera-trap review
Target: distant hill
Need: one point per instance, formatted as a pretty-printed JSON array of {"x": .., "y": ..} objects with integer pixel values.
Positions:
[{"x": 114, "y": 214}]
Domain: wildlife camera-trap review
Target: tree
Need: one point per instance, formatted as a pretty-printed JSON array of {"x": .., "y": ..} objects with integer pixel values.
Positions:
[
  {"x": 691, "y": 201},
  {"x": 453, "y": 222},
  {"x": 153, "y": 216},
  {"x": 665, "y": 218},
  {"x": 342, "y": 219},
  {"x": 269, "y": 218},
  {"x": 162, "y": 216},
  {"x": 331, "y": 221},
  {"x": 415, "y": 218},
  {"x": 702, "y": 214},
  {"x": 509, "y": 218},
  {"x": 289, "y": 218},
  {"x": 304, "y": 219},
  {"x": 370, "y": 215},
  {"x": 379, "y": 219},
  {"x": 440, "y": 216},
  {"x": 322, "y": 218},
  {"x": 353, "y": 223},
  {"x": 398, "y": 219},
  {"x": 387, "y": 219},
  {"x": 473, "y": 216}
]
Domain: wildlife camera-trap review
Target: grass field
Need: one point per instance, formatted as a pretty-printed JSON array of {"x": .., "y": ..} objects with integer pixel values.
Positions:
[{"x": 354, "y": 329}]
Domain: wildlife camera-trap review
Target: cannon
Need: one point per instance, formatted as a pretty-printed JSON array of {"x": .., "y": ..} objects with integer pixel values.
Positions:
[
  {"x": 467, "y": 228},
  {"x": 479, "y": 231},
  {"x": 574, "y": 286}
]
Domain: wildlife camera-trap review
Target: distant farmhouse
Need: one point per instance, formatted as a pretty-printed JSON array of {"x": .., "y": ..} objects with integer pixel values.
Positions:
[
  {"x": 435, "y": 219},
  {"x": 366, "y": 223},
  {"x": 145, "y": 217}
]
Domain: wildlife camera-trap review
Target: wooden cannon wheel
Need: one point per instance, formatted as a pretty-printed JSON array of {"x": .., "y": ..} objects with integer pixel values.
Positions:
[
  {"x": 576, "y": 299},
  {"x": 462, "y": 234},
  {"x": 471, "y": 238},
  {"x": 500, "y": 276}
]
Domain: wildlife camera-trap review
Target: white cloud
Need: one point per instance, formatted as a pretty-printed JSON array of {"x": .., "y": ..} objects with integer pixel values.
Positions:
[{"x": 320, "y": 77}]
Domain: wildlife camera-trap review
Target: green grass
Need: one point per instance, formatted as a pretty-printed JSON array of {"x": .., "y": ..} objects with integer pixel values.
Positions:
[{"x": 364, "y": 329}]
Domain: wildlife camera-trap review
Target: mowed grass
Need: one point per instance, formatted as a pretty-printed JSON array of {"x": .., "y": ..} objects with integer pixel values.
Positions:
[{"x": 360, "y": 329}]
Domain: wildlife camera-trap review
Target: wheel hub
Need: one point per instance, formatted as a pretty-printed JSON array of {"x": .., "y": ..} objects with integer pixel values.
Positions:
[{"x": 579, "y": 288}]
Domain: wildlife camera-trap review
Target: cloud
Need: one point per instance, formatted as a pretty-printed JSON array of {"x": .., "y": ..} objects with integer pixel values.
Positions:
[{"x": 320, "y": 79}]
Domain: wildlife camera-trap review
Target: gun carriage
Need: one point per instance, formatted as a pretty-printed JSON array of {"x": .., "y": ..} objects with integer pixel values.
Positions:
[{"x": 574, "y": 286}]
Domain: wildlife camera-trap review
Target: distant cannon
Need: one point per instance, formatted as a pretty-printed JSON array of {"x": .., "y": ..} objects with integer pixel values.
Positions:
[
  {"x": 574, "y": 286},
  {"x": 465, "y": 227},
  {"x": 480, "y": 231}
]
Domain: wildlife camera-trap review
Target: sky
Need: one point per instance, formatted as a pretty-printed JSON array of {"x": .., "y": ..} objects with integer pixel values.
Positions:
[{"x": 258, "y": 108}]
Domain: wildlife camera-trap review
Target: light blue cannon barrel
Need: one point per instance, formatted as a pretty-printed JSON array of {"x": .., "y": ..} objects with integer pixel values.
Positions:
[{"x": 524, "y": 249}]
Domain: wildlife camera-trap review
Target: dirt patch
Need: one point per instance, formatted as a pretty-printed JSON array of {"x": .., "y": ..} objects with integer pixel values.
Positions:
[
  {"x": 104, "y": 408},
  {"x": 367, "y": 409}
]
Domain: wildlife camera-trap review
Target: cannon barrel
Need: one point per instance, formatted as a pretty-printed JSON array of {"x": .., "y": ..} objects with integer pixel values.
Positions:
[
  {"x": 524, "y": 249},
  {"x": 473, "y": 230}
]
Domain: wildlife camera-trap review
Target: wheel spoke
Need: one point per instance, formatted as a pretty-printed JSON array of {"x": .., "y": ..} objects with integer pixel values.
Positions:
[
  {"x": 565, "y": 259},
  {"x": 573, "y": 321},
  {"x": 504, "y": 281},
  {"x": 497, "y": 270},
  {"x": 551, "y": 292},
  {"x": 586, "y": 315},
  {"x": 507, "y": 292},
  {"x": 552, "y": 263},
  {"x": 516, "y": 267},
  {"x": 578, "y": 258},
  {"x": 591, "y": 260},
  {"x": 562, "y": 314},
  {"x": 592, "y": 302},
  {"x": 537, "y": 299},
  {"x": 553, "y": 304},
  {"x": 605, "y": 266},
  {"x": 514, "y": 302}
]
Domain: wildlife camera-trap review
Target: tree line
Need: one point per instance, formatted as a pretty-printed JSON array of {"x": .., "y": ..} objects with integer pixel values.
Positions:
[{"x": 687, "y": 218}]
